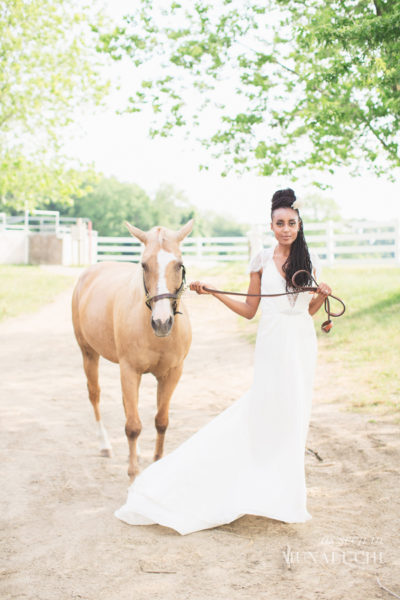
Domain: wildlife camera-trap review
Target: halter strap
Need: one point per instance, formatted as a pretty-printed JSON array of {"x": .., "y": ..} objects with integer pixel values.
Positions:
[{"x": 175, "y": 296}]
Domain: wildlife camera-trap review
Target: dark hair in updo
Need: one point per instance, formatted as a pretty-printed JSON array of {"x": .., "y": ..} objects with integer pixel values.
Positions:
[{"x": 299, "y": 257}]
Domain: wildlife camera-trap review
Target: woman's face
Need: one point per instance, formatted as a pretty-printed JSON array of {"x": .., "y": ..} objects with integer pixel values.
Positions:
[{"x": 285, "y": 224}]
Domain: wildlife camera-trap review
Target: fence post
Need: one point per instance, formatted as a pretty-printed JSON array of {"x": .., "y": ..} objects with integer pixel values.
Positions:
[
  {"x": 199, "y": 245},
  {"x": 90, "y": 242},
  {"x": 255, "y": 240},
  {"x": 397, "y": 241},
  {"x": 26, "y": 229},
  {"x": 57, "y": 223},
  {"x": 330, "y": 243},
  {"x": 94, "y": 246}
]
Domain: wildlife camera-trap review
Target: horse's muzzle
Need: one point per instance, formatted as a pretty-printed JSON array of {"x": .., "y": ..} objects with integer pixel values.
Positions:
[{"x": 162, "y": 328}]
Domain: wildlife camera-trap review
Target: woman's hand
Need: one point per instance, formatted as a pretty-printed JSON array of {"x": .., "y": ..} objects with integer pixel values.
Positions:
[
  {"x": 245, "y": 309},
  {"x": 321, "y": 293},
  {"x": 323, "y": 290},
  {"x": 198, "y": 286}
]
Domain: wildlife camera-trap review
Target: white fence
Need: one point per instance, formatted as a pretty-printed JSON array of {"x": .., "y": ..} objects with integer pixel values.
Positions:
[
  {"x": 46, "y": 238},
  {"x": 197, "y": 249},
  {"x": 40, "y": 221},
  {"x": 334, "y": 242}
]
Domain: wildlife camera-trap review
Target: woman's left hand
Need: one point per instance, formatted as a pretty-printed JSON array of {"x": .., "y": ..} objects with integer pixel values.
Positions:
[{"x": 324, "y": 290}]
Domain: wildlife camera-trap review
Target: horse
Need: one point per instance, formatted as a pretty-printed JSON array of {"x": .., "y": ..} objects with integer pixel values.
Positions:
[{"x": 128, "y": 313}]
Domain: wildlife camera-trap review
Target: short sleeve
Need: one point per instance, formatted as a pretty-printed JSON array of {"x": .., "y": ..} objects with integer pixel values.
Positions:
[
  {"x": 256, "y": 262},
  {"x": 316, "y": 264}
]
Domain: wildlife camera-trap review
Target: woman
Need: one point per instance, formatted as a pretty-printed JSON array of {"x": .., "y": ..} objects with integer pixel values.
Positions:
[{"x": 250, "y": 458}]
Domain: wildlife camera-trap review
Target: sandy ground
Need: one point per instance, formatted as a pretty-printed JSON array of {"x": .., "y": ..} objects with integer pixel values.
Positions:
[{"x": 60, "y": 539}]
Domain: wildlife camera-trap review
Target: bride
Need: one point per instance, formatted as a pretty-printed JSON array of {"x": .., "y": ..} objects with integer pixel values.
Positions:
[{"x": 249, "y": 459}]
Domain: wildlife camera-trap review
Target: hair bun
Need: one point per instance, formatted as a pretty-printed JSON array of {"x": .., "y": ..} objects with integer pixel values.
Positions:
[{"x": 283, "y": 199}]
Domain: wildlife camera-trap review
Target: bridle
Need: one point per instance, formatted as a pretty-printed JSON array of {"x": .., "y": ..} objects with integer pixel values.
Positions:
[
  {"x": 175, "y": 296},
  {"x": 326, "y": 325}
]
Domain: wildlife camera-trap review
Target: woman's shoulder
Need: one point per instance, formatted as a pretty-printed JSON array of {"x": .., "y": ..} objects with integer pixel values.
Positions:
[
  {"x": 259, "y": 259},
  {"x": 256, "y": 262}
]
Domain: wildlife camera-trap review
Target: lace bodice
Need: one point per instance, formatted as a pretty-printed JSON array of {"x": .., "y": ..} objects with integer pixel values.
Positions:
[{"x": 272, "y": 282}]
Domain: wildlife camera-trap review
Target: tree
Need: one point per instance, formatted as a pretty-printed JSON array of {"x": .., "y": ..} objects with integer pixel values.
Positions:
[
  {"x": 296, "y": 85},
  {"x": 49, "y": 70},
  {"x": 171, "y": 207},
  {"x": 26, "y": 184},
  {"x": 108, "y": 202},
  {"x": 317, "y": 209},
  {"x": 222, "y": 225},
  {"x": 112, "y": 202}
]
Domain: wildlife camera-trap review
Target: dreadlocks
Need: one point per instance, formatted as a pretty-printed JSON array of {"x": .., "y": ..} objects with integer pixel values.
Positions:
[{"x": 299, "y": 257}]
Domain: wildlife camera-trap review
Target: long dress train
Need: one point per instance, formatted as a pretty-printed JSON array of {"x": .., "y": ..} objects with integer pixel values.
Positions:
[{"x": 249, "y": 459}]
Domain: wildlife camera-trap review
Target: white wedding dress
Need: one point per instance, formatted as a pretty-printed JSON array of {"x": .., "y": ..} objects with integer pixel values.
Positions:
[{"x": 250, "y": 458}]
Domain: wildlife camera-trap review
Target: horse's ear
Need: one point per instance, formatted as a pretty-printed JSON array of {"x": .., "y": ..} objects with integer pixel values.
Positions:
[
  {"x": 136, "y": 232},
  {"x": 185, "y": 230}
]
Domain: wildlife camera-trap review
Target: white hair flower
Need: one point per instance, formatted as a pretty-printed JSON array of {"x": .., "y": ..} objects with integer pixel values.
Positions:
[{"x": 297, "y": 204}]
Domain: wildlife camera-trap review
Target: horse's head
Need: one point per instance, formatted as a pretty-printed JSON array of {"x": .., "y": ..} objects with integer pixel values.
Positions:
[{"x": 163, "y": 272}]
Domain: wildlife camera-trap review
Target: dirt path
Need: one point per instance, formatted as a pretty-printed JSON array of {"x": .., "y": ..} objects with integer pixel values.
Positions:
[{"x": 60, "y": 539}]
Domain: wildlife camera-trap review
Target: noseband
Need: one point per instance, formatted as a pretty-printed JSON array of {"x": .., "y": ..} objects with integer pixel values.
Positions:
[{"x": 175, "y": 296}]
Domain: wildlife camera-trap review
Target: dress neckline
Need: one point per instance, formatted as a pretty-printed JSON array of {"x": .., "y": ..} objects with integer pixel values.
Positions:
[
  {"x": 291, "y": 299},
  {"x": 276, "y": 268}
]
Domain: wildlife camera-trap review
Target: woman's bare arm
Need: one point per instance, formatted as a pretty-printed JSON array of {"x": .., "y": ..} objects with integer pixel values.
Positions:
[
  {"x": 246, "y": 309},
  {"x": 318, "y": 299}
]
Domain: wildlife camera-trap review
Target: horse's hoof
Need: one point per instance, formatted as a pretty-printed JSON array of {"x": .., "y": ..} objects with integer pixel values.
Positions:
[{"x": 107, "y": 452}]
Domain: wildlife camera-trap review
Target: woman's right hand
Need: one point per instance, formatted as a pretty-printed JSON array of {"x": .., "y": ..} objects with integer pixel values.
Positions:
[{"x": 198, "y": 286}]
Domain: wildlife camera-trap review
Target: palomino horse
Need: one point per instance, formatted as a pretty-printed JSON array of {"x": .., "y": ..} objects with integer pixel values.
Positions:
[{"x": 111, "y": 318}]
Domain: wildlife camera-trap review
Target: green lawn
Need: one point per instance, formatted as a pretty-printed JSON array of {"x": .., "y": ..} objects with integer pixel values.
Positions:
[
  {"x": 26, "y": 288},
  {"x": 365, "y": 342},
  {"x": 363, "y": 348}
]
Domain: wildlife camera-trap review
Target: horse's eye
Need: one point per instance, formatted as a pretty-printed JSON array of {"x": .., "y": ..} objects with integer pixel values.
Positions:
[{"x": 144, "y": 266}]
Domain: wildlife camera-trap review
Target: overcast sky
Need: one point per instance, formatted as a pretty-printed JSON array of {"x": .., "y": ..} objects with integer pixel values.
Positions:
[{"x": 119, "y": 145}]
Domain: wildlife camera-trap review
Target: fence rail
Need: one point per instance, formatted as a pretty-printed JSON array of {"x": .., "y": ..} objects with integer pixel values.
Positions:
[
  {"x": 345, "y": 241},
  {"x": 40, "y": 221},
  {"x": 204, "y": 248},
  {"x": 335, "y": 242},
  {"x": 354, "y": 241},
  {"x": 45, "y": 237}
]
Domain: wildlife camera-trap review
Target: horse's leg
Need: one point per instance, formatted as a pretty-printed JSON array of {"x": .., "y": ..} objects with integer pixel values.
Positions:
[
  {"x": 91, "y": 366},
  {"x": 165, "y": 388},
  {"x": 130, "y": 381},
  {"x": 137, "y": 441}
]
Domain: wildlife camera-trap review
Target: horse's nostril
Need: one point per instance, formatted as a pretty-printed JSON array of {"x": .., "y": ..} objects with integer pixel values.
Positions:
[{"x": 162, "y": 328}]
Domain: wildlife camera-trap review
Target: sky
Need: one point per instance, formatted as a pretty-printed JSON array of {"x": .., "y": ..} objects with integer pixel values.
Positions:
[{"x": 119, "y": 145}]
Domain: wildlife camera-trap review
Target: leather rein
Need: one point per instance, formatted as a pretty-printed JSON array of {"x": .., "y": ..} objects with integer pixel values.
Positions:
[
  {"x": 326, "y": 325},
  {"x": 175, "y": 296}
]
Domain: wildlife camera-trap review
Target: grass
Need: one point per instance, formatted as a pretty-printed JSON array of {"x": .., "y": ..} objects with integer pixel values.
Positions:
[
  {"x": 24, "y": 289},
  {"x": 362, "y": 351},
  {"x": 364, "y": 343}
]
